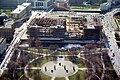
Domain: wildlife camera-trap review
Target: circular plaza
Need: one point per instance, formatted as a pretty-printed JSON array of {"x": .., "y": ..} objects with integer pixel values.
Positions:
[{"x": 59, "y": 68}]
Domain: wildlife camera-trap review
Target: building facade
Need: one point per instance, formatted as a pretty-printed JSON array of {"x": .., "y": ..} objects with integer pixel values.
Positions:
[
  {"x": 7, "y": 30},
  {"x": 105, "y": 6},
  {"x": 47, "y": 27},
  {"x": 43, "y": 4},
  {"x": 61, "y": 5},
  {"x": 21, "y": 11},
  {"x": 2, "y": 45}
]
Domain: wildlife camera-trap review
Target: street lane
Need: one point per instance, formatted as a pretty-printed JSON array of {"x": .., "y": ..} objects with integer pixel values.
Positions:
[{"x": 109, "y": 27}]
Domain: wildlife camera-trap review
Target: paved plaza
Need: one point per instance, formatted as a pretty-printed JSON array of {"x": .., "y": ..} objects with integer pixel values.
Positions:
[{"x": 59, "y": 68}]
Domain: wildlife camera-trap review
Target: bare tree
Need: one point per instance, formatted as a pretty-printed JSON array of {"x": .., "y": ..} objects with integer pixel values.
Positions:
[
  {"x": 90, "y": 46},
  {"x": 77, "y": 77},
  {"x": 100, "y": 44},
  {"x": 12, "y": 70},
  {"x": 30, "y": 42},
  {"x": 53, "y": 47},
  {"x": 38, "y": 44}
]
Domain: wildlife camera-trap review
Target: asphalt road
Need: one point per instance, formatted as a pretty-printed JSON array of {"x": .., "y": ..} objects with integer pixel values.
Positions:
[{"x": 109, "y": 26}]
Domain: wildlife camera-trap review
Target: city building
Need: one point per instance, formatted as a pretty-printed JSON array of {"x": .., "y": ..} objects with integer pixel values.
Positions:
[
  {"x": 21, "y": 11},
  {"x": 105, "y": 6},
  {"x": 2, "y": 17},
  {"x": 115, "y": 2},
  {"x": 43, "y": 4},
  {"x": 61, "y": 5},
  {"x": 109, "y": 5},
  {"x": 2, "y": 45},
  {"x": 92, "y": 28},
  {"x": 7, "y": 30},
  {"x": 48, "y": 27},
  {"x": 57, "y": 27}
]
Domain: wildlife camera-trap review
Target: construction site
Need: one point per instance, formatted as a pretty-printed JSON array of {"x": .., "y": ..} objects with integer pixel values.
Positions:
[
  {"x": 60, "y": 41},
  {"x": 66, "y": 28}
]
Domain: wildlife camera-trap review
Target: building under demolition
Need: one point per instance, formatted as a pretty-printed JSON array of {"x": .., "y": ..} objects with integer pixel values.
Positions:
[
  {"x": 47, "y": 27},
  {"x": 54, "y": 29}
]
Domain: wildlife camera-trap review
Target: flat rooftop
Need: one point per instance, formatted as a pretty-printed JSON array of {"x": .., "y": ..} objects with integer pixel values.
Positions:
[
  {"x": 8, "y": 24},
  {"x": 20, "y": 8}
]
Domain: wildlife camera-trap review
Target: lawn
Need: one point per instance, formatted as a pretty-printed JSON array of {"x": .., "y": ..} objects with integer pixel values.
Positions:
[
  {"x": 119, "y": 21},
  {"x": 42, "y": 61},
  {"x": 61, "y": 53},
  {"x": 81, "y": 63},
  {"x": 32, "y": 49},
  {"x": 38, "y": 75},
  {"x": 40, "y": 50},
  {"x": 78, "y": 61},
  {"x": 80, "y": 75},
  {"x": 48, "y": 51},
  {"x": 60, "y": 79}
]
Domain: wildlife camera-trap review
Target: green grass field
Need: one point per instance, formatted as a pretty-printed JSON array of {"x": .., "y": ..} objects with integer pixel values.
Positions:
[
  {"x": 38, "y": 75},
  {"x": 60, "y": 79},
  {"x": 41, "y": 61},
  {"x": 119, "y": 21},
  {"x": 80, "y": 75}
]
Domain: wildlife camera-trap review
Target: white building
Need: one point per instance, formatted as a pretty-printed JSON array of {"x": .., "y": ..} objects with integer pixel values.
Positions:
[
  {"x": 21, "y": 11},
  {"x": 2, "y": 45},
  {"x": 43, "y": 4},
  {"x": 105, "y": 6}
]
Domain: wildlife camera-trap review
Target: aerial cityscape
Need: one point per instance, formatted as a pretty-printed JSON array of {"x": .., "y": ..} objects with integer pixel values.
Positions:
[{"x": 59, "y": 39}]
